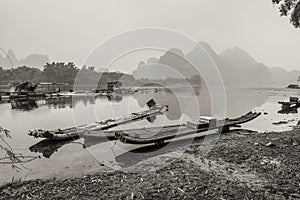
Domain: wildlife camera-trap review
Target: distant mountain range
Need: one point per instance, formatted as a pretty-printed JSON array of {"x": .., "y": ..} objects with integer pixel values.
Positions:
[
  {"x": 33, "y": 60},
  {"x": 170, "y": 65},
  {"x": 236, "y": 66},
  {"x": 282, "y": 77}
]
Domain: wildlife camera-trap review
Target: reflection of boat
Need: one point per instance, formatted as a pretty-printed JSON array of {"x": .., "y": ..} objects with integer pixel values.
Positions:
[
  {"x": 141, "y": 136},
  {"x": 114, "y": 97},
  {"x": 18, "y": 104},
  {"x": 61, "y": 134},
  {"x": 33, "y": 103},
  {"x": 48, "y": 147},
  {"x": 97, "y": 138},
  {"x": 292, "y": 110}
]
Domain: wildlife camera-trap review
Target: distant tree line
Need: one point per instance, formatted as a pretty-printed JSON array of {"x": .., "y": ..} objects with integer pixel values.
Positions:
[
  {"x": 58, "y": 72},
  {"x": 52, "y": 72}
]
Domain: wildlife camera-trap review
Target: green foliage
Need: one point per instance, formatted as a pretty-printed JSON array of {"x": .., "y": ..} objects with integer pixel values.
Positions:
[
  {"x": 22, "y": 73},
  {"x": 55, "y": 72},
  {"x": 59, "y": 72},
  {"x": 290, "y": 8}
]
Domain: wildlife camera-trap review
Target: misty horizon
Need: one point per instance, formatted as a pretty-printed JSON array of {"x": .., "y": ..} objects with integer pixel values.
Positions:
[
  {"x": 42, "y": 59},
  {"x": 68, "y": 32}
]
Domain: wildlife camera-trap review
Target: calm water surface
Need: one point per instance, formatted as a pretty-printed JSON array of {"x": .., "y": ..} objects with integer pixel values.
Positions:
[{"x": 66, "y": 159}]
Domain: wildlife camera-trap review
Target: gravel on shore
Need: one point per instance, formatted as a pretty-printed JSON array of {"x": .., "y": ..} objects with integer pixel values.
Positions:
[{"x": 242, "y": 165}]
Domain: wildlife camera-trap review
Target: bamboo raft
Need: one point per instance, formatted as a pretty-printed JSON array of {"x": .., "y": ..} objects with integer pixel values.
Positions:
[
  {"x": 161, "y": 134},
  {"x": 74, "y": 132},
  {"x": 153, "y": 135},
  {"x": 49, "y": 146}
]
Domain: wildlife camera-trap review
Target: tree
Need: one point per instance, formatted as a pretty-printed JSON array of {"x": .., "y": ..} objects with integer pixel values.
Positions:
[
  {"x": 290, "y": 8},
  {"x": 19, "y": 74},
  {"x": 16, "y": 160},
  {"x": 60, "y": 72}
]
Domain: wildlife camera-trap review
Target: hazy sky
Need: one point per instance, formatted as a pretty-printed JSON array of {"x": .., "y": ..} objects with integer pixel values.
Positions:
[{"x": 68, "y": 30}]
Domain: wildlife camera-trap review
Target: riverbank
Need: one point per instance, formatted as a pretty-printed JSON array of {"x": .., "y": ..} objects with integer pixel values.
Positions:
[{"x": 242, "y": 165}]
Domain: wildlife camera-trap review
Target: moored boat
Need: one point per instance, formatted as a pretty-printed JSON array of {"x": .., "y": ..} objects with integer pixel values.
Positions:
[
  {"x": 144, "y": 136},
  {"x": 62, "y": 134},
  {"x": 148, "y": 135}
]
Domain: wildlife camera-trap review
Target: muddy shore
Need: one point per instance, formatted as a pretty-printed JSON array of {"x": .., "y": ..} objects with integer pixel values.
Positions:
[{"x": 242, "y": 165}]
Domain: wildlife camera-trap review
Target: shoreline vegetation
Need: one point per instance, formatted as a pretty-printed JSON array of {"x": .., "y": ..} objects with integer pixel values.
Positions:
[
  {"x": 9, "y": 157},
  {"x": 242, "y": 165}
]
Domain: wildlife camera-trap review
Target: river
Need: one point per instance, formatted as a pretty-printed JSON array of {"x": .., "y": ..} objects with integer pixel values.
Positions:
[{"x": 72, "y": 159}]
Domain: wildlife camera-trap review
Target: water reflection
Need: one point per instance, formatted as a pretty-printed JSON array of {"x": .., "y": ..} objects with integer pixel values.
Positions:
[
  {"x": 180, "y": 101},
  {"x": 48, "y": 147},
  {"x": 115, "y": 98},
  {"x": 58, "y": 113},
  {"x": 240, "y": 101},
  {"x": 91, "y": 140},
  {"x": 290, "y": 111},
  {"x": 186, "y": 101},
  {"x": 32, "y": 104},
  {"x": 26, "y": 105},
  {"x": 58, "y": 102}
]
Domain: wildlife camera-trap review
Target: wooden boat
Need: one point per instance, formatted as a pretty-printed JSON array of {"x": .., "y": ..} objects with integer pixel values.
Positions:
[
  {"x": 62, "y": 134},
  {"x": 293, "y": 86},
  {"x": 293, "y": 103},
  {"x": 161, "y": 134},
  {"x": 144, "y": 135}
]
